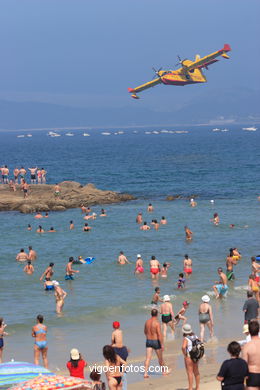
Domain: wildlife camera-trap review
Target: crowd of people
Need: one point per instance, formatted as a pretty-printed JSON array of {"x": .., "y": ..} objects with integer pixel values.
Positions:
[{"x": 37, "y": 175}]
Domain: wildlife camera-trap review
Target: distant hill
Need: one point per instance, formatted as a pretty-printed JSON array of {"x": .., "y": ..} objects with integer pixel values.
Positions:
[{"x": 235, "y": 104}]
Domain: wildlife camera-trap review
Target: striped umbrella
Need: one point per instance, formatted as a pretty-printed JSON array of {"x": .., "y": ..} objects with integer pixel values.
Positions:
[
  {"x": 15, "y": 372},
  {"x": 54, "y": 382}
]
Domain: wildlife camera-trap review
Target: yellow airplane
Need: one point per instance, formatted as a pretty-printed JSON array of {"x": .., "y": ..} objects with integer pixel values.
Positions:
[{"x": 189, "y": 73}]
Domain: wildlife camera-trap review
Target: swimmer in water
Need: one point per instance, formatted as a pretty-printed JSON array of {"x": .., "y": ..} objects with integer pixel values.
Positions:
[
  {"x": 139, "y": 218},
  {"x": 139, "y": 265},
  {"x": 230, "y": 262},
  {"x": 156, "y": 296},
  {"x": 52, "y": 230},
  {"x": 103, "y": 213},
  {"x": 71, "y": 225},
  {"x": 69, "y": 270},
  {"x": 163, "y": 221},
  {"x": 215, "y": 219},
  {"x": 86, "y": 228},
  {"x": 40, "y": 229},
  {"x": 193, "y": 203},
  {"x": 181, "y": 281},
  {"x": 48, "y": 272},
  {"x": 220, "y": 288},
  {"x": 22, "y": 256},
  {"x": 156, "y": 225},
  {"x": 32, "y": 255},
  {"x": 164, "y": 270},
  {"x": 180, "y": 315},
  {"x": 122, "y": 259},
  {"x": 187, "y": 266},
  {"x": 188, "y": 233},
  {"x": 145, "y": 226},
  {"x": 46, "y": 215},
  {"x": 29, "y": 269},
  {"x": 83, "y": 209},
  {"x": 60, "y": 295},
  {"x": 29, "y": 228},
  {"x": 38, "y": 215},
  {"x": 150, "y": 208}
]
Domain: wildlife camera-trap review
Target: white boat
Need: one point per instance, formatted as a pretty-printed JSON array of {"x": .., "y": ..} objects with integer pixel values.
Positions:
[
  {"x": 165, "y": 131},
  {"x": 147, "y": 132},
  {"x": 120, "y": 132},
  {"x": 106, "y": 133},
  {"x": 253, "y": 128},
  {"x": 53, "y": 134},
  {"x": 224, "y": 130},
  {"x": 29, "y": 135},
  {"x": 216, "y": 129},
  {"x": 21, "y": 136},
  {"x": 69, "y": 134},
  {"x": 156, "y": 132},
  {"x": 135, "y": 132},
  {"x": 181, "y": 132},
  {"x": 86, "y": 135}
]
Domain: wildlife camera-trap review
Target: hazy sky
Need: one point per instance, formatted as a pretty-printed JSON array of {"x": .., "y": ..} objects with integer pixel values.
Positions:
[{"x": 82, "y": 52}]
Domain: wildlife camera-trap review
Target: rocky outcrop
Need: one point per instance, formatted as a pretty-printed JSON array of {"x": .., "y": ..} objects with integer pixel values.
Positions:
[
  {"x": 174, "y": 197},
  {"x": 41, "y": 197}
]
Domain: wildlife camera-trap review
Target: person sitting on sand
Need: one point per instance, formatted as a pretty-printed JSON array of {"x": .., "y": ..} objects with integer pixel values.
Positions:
[
  {"x": 180, "y": 315},
  {"x": 220, "y": 288},
  {"x": 145, "y": 226},
  {"x": 115, "y": 367},
  {"x": 22, "y": 256},
  {"x": 164, "y": 270},
  {"x": 95, "y": 377},
  {"x": 29, "y": 268},
  {"x": 76, "y": 364}
]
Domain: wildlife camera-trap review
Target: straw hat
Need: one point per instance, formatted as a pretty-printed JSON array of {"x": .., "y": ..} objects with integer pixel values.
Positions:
[
  {"x": 74, "y": 354},
  {"x": 205, "y": 298},
  {"x": 166, "y": 298},
  {"x": 186, "y": 329}
]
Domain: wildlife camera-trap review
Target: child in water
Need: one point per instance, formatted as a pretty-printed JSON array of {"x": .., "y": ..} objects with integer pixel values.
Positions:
[{"x": 181, "y": 281}]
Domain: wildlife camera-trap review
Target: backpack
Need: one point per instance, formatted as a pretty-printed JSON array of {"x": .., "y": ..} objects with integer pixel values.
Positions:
[{"x": 197, "y": 350}]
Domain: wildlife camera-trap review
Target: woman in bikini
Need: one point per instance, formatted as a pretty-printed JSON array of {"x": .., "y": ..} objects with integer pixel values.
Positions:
[
  {"x": 39, "y": 331},
  {"x": 115, "y": 367}
]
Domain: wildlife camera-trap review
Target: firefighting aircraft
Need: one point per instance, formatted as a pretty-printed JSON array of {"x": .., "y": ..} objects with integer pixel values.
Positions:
[{"x": 189, "y": 73}]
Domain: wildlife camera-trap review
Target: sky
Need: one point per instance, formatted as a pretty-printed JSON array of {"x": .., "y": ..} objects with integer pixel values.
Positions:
[{"x": 88, "y": 52}]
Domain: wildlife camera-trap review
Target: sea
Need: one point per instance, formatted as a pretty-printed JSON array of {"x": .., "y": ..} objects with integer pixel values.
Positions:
[{"x": 151, "y": 164}]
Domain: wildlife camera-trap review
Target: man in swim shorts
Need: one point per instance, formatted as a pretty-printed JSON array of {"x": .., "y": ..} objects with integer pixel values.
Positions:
[
  {"x": 154, "y": 341},
  {"x": 57, "y": 191},
  {"x": 221, "y": 287},
  {"x": 251, "y": 354},
  {"x": 33, "y": 174},
  {"x": 139, "y": 266},
  {"x": 230, "y": 262},
  {"x": 187, "y": 266},
  {"x": 48, "y": 272},
  {"x": 117, "y": 341},
  {"x": 154, "y": 267},
  {"x": 69, "y": 270}
]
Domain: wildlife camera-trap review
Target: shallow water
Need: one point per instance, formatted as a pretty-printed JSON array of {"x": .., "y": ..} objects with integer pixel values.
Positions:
[{"x": 219, "y": 166}]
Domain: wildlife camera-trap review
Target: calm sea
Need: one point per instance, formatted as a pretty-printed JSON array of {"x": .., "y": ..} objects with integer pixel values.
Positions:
[{"x": 223, "y": 166}]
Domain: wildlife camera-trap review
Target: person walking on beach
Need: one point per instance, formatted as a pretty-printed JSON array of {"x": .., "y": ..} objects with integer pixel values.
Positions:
[
  {"x": 69, "y": 270},
  {"x": 76, "y": 364},
  {"x": 60, "y": 295},
  {"x": 205, "y": 317},
  {"x": 39, "y": 332},
  {"x": 2, "y": 334},
  {"x": 48, "y": 273},
  {"x": 154, "y": 341},
  {"x": 234, "y": 371},
  {"x": 22, "y": 256},
  {"x": 221, "y": 287},
  {"x": 192, "y": 368},
  {"x": 154, "y": 267},
  {"x": 250, "y": 308},
  {"x": 122, "y": 259},
  {"x": 32, "y": 255},
  {"x": 251, "y": 354},
  {"x": 167, "y": 316},
  {"x": 29, "y": 268},
  {"x": 230, "y": 262},
  {"x": 187, "y": 266},
  {"x": 181, "y": 312}
]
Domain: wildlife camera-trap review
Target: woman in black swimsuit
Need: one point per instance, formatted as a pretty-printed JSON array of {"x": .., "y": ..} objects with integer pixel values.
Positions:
[{"x": 115, "y": 368}]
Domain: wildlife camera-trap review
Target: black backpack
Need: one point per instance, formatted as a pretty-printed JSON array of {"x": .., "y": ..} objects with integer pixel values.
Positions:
[{"x": 197, "y": 350}]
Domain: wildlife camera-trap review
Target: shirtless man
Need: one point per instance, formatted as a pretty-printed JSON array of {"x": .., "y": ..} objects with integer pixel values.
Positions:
[
  {"x": 167, "y": 316},
  {"x": 154, "y": 341},
  {"x": 25, "y": 189},
  {"x": 71, "y": 225},
  {"x": 38, "y": 215},
  {"x": 16, "y": 173},
  {"x": 145, "y": 226},
  {"x": 122, "y": 259},
  {"x": 22, "y": 256},
  {"x": 156, "y": 225},
  {"x": 29, "y": 268},
  {"x": 139, "y": 218},
  {"x": 255, "y": 268},
  {"x": 163, "y": 221},
  {"x": 139, "y": 266},
  {"x": 220, "y": 288},
  {"x": 48, "y": 272},
  {"x": 33, "y": 174},
  {"x": 187, "y": 266},
  {"x": 60, "y": 295},
  {"x": 69, "y": 270},
  {"x": 117, "y": 341},
  {"x": 156, "y": 296},
  {"x": 22, "y": 173},
  {"x": 57, "y": 191},
  {"x": 251, "y": 354},
  {"x": 230, "y": 262},
  {"x": 32, "y": 255},
  {"x": 150, "y": 208},
  {"x": 154, "y": 267},
  {"x": 188, "y": 233},
  {"x": 5, "y": 174}
]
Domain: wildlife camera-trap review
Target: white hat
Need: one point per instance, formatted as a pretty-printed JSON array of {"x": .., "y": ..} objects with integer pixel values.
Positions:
[
  {"x": 138, "y": 256},
  {"x": 94, "y": 214},
  {"x": 55, "y": 283},
  {"x": 166, "y": 298},
  {"x": 186, "y": 329},
  {"x": 74, "y": 354},
  {"x": 205, "y": 298},
  {"x": 212, "y": 201},
  {"x": 245, "y": 328},
  {"x": 192, "y": 200}
]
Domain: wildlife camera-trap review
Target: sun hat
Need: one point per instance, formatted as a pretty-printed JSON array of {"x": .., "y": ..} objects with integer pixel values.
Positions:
[
  {"x": 74, "y": 354},
  {"x": 116, "y": 324},
  {"x": 245, "y": 328},
  {"x": 138, "y": 256},
  {"x": 55, "y": 283},
  {"x": 166, "y": 298},
  {"x": 192, "y": 200},
  {"x": 185, "y": 303},
  {"x": 186, "y": 329},
  {"x": 205, "y": 298}
]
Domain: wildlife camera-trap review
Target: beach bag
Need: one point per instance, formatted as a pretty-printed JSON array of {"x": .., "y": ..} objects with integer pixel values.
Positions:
[{"x": 197, "y": 350}]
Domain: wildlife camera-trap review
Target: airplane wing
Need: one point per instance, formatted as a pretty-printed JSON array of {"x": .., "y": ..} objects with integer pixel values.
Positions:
[
  {"x": 209, "y": 59},
  {"x": 142, "y": 87}
]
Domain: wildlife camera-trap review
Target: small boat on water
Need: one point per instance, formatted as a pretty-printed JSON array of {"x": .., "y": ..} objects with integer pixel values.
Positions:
[
  {"x": 156, "y": 132},
  {"x": 20, "y": 136},
  {"x": 216, "y": 129},
  {"x": 29, "y": 135},
  {"x": 53, "y": 134},
  {"x": 106, "y": 133},
  {"x": 69, "y": 134},
  {"x": 147, "y": 132},
  {"x": 120, "y": 132},
  {"x": 252, "y": 128},
  {"x": 86, "y": 135},
  {"x": 224, "y": 130}
]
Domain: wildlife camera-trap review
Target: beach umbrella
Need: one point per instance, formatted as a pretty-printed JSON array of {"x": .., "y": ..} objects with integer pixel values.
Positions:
[
  {"x": 15, "y": 372},
  {"x": 43, "y": 382}
]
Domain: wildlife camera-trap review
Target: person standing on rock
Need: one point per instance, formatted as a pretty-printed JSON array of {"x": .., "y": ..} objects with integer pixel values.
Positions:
[
  {"x": 25, "y": 188},
  {"x": 33, "y": 174},
  {"x": 44, "y": 173},
  {"x": 22, "y": 174},
  {"x": 16, "y": 173},
  {"x": 57, "y": 191}
]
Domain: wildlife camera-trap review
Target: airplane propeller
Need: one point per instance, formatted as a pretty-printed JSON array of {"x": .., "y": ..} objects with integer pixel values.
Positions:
[
  {"x": 156, "y": 71},
  {"x": 180, "y": 61}
]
